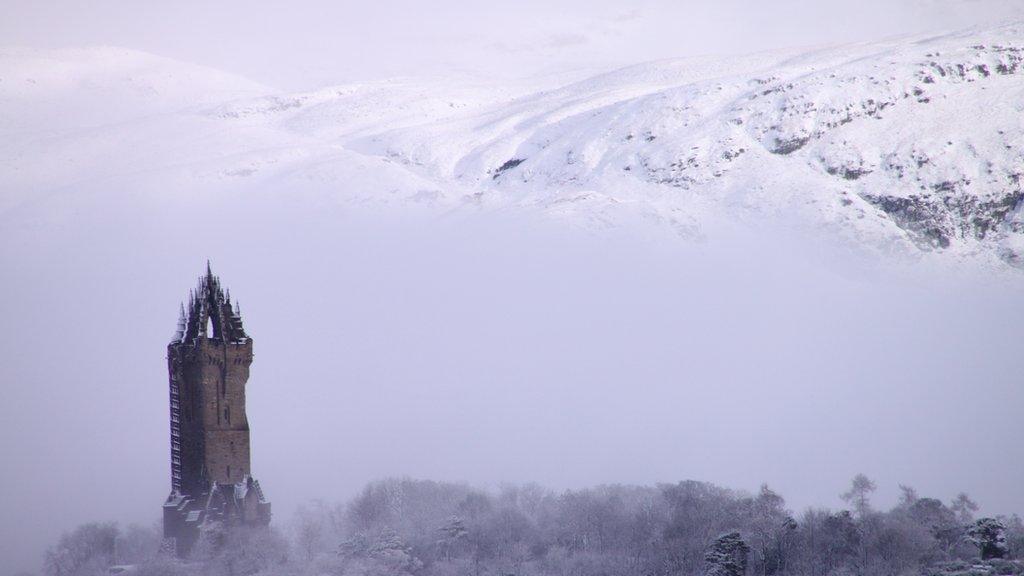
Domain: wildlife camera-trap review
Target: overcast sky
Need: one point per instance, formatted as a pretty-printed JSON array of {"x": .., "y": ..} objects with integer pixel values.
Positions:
[
  {"x": 484, "y": 351},
  {"x": 307, "y": 43}
]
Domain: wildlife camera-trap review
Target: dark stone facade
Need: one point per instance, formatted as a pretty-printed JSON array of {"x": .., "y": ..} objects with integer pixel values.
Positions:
[{"x": 208, "y": 361}]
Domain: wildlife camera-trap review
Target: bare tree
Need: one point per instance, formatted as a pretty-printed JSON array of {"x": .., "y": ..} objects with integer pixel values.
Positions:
[
  {"x": 87, "y": 550},
  {"x": 964, "y": 508},
  {"x": 859, "y": 494}
]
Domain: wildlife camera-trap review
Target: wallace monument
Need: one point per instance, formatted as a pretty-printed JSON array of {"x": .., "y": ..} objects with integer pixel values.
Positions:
[{"x": 208, "y": 362}]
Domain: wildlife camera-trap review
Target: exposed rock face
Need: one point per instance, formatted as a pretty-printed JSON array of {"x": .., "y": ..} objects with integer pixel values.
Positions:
[
  {"x": 937, "y": 221},
  {"x": 942, "y": 183}
]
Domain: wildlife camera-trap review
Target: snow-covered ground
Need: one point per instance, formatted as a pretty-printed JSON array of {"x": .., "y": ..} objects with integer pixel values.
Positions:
[{"x": 911, "y": 147}]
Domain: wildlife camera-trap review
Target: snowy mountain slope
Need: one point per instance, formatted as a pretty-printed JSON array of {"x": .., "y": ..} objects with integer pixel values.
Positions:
[
  {"x": 74, "y": 120},
  {"x": 43, "y": 91},
  {"x": 910, "y": 146}
]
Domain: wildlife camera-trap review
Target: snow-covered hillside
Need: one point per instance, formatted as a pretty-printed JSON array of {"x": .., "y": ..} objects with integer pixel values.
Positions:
[{"x": 912, "y": 147}]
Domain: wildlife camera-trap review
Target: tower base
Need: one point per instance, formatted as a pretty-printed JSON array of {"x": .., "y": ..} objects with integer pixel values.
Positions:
[{"x": 186, "y": 516}]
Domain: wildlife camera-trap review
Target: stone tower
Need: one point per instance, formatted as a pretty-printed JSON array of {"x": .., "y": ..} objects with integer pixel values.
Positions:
[{"x": 208, "y": 361}]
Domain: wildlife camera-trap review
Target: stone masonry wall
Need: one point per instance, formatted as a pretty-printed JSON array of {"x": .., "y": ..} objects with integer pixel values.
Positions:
[{"x": 225, "y": 370}]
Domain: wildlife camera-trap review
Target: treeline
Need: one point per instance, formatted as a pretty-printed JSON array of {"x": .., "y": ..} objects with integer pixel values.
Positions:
[{"x": 422, "y": 528}]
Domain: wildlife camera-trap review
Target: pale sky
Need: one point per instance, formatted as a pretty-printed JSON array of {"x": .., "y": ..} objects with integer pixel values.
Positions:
[{"x": 308, "y": 43}]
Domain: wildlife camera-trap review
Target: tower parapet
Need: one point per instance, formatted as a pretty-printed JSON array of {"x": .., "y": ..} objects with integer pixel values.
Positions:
[{"x": 208, "y": 363}]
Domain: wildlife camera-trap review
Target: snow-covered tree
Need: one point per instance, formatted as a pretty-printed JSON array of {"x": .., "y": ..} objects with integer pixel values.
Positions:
[
  {"x": 87, "y": 550},
  {"x": 241, "y": 551},
  {"x": 453, "y": 537},
  {"x": 727, "y": 556},
  {"x": 771, "y": 530},
  {"x": 989, "y": 535},
  {"x": 387, "y": 554}
]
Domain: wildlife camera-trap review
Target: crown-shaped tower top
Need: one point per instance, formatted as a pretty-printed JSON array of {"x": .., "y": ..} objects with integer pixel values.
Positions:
[{"x": 210, "y": 314}]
